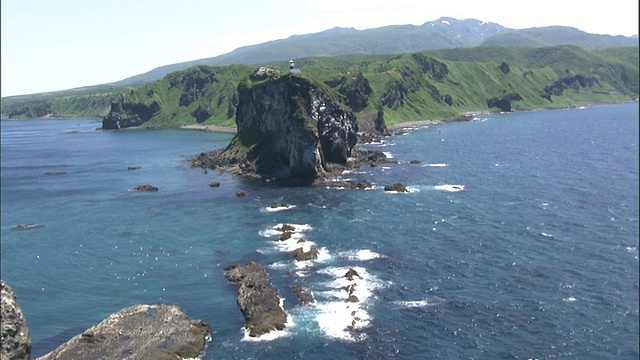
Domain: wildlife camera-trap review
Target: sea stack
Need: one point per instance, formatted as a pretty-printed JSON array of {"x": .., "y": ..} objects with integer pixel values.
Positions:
[{"x": 289, "y": 129}]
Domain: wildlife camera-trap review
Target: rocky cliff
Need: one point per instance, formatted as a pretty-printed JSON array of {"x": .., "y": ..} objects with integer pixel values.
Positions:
[
  {"x": 289, "y": 128},
  {"x": 16, "y": 341}
]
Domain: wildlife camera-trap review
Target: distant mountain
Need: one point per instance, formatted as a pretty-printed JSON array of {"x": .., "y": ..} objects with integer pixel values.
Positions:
[{"x": 444, "y": 33}]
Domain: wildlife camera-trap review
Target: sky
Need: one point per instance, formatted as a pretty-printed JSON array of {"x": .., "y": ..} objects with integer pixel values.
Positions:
[{"x": 63, "y": 44}]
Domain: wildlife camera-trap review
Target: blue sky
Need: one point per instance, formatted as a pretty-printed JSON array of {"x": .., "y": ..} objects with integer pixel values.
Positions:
[{"x": 63, "y": 44}]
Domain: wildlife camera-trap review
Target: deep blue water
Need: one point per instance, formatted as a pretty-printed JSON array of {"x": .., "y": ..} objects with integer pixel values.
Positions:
[{"x": 536, "y": 258}]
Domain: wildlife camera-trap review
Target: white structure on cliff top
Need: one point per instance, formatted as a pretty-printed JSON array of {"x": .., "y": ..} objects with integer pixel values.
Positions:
[{"x": 292, "y": 68}]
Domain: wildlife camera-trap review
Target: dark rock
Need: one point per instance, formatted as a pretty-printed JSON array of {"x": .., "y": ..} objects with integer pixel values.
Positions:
[
  {"x": 156, "y": 331},
  {"x": 25, "y": 226},
  {"x": 415, "y": 162},
  {"x": 242, "y": 193},
  {"x": 348, "y": 184},
  {"x": 286, "y": 235},
  {"x": 215, "y": 184},
  {"x": 125, "y": 113},
  {"x": 56, "y": 173},
  {"x": 133, "y": 167},
  {"x": 145, "y": 188},
  {"x": 288, "y": 129},
  {"x": 353, "y": 298},
  {"x": 286, "y": 227},
  {"x": 503, "y": 102},
  {"x": 257, "y": 298},
  {"x": 351, "y": 274},
  {"x": 303, "y": 294},
  {"x": 396, "y": 187},
  {"x": 300, "y": 255},
  {"x": 16, "y": 341},
  {"x": 280, "y": 205}
]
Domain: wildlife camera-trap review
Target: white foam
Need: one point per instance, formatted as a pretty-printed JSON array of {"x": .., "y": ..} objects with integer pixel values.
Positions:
[
  {"x": 273, "y": 231},
  {"x": 339, "y": 320},
  {"x": 418, "y": 303},
  {"x": 569, "y": 299},
  {"x": 363, "y": 255},
  {"x": 292, "y": 244},
  {"x": 279, "y": 208},
  {"x": 545, "y": 234},
  {"x": 450, "y": 188},
  {"x": 438, "y": 165},
  {"x": 388, "y": 154}
]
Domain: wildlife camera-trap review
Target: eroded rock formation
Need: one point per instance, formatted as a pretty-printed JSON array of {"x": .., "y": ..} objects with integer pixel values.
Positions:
[
  {"x": 257, "y": 298},
  {"x": 288, "y": 128}
]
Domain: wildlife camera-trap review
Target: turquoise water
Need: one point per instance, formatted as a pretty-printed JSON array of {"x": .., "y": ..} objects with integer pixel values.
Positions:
[{"x": 536, "y": 256}]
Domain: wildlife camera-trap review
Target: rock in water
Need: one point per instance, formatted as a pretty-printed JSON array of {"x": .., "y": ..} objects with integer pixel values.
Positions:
[
  {"x": 16, "y": 342},
  {"x": 257, "y": 298},
  {"x": 289, "y": 129},
  {"x": 156, "y": 331}
]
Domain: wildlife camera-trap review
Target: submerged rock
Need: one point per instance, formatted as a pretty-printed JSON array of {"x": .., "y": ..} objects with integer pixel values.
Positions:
[
  {"x": 157, "y": 331},
  {"x": 257, "y": 298},
  {"x": 145, "y": 188},
  {"x": 16, "y": 340}
]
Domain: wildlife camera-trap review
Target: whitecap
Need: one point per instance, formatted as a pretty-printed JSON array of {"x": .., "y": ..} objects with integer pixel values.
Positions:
[
  {"x": 363, "y": 255},
  {"x": 450, "y": 188},
  {"x": 388, "y": 154},
  {"x": 545, "y": 234},
  {"x": 418, "y": 303},
  {"x": 437, "y": 165},
  {"x": 569, "y": 299}
]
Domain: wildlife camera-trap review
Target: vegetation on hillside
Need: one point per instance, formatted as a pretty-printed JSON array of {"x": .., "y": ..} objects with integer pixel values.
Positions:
[{"x": 435, "y": 84}]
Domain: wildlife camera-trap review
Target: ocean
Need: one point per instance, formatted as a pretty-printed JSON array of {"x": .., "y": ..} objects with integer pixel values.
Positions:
[{"x": 518, "y": 239}]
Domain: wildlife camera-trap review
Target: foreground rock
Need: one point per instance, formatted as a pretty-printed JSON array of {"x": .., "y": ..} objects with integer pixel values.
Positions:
[
  {"x": 157, "y": 331},
  {"x": 16, "y": 341},
  {"x": 257, "y": 298}
]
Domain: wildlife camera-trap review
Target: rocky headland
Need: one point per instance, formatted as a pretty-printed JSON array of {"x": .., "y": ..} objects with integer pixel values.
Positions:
[{"x": 290, "y": 129}]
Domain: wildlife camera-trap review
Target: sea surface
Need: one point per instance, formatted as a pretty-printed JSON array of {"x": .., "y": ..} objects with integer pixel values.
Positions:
[{"x": 518, "y": 239}]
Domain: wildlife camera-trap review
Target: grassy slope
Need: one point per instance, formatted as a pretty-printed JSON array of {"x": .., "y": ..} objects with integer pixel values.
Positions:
[{"x": 473, "y": 76}]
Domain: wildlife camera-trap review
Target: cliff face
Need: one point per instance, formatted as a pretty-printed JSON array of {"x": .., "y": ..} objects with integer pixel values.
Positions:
[
  {"x": 289, "y": 129},
  {"x": 16, "y": 341},
  {"x": 126, "y": 113}
]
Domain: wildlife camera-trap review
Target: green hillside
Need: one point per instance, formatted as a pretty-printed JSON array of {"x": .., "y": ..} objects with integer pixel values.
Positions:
[{"x": 414, "y": 86}]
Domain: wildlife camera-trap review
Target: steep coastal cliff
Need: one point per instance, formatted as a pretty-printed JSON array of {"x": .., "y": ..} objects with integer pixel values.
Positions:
[{"x": 290, "y": 129}]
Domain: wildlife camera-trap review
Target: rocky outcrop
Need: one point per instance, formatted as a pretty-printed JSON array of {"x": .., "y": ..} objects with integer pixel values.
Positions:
[
  {"x": 257, "y": 298},
  {"x": 305, "y": 296},
  {"x": 348, "y": 184},
  {"x": 157, "y": 331},
  {"x": 288, "y": 129},
  {"x": 146, "y": 187},
  {"x": 300, "y": 255},
  {"x": 125, "y": 113},
  {"x": 503, "y": 102},
  {"x": 16, "y": 341},
  {"x": 396, "y": 187}
]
